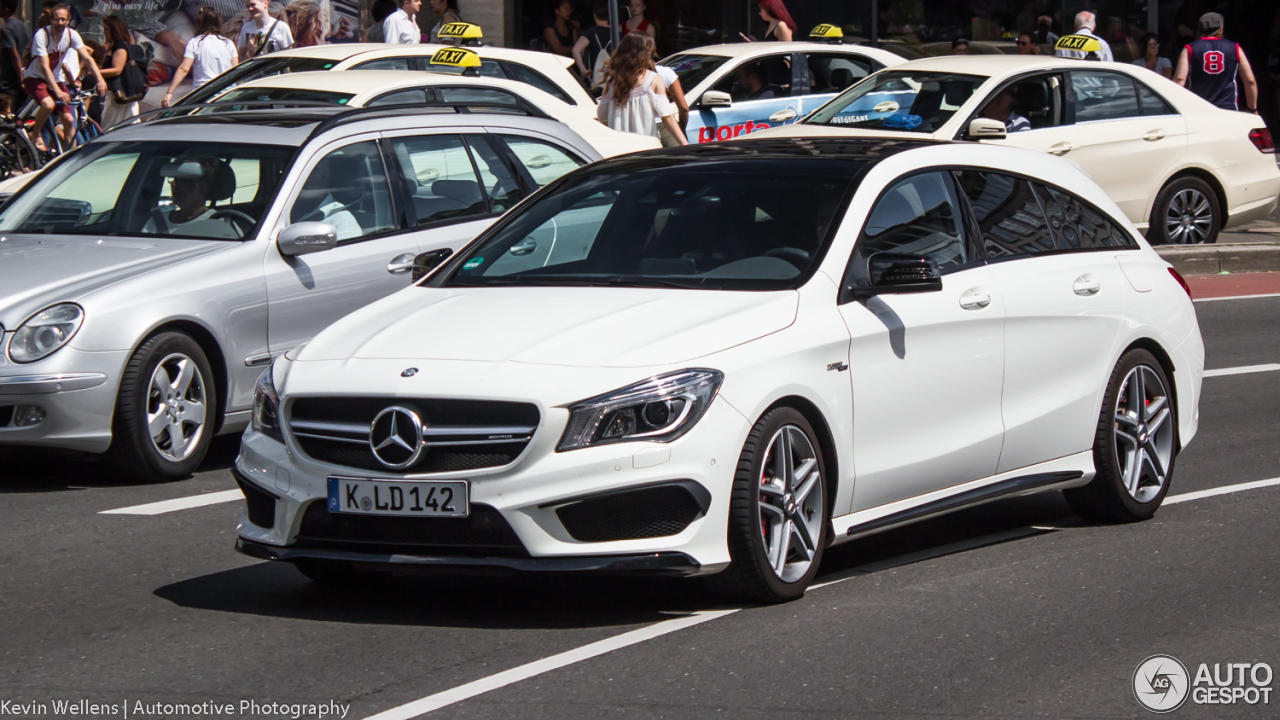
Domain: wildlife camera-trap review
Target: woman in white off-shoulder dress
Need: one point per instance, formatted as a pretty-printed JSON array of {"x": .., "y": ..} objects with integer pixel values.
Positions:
[{"x": 635, "y": 98}]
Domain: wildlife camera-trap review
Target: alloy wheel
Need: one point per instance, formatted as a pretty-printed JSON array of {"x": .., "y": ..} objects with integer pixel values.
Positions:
[
  {"x": 176, "y": 407},
  {"x": 791, "y": 503},
  {"x": 1144, "y": 433},
  {"x": 1189, "y": 217}
]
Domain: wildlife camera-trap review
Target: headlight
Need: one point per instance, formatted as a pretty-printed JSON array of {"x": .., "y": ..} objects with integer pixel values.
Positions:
[
  {"x": 659, "y": 409},
  {"x": 266, "y": 407},
  {"x": 45, "y": 332}
]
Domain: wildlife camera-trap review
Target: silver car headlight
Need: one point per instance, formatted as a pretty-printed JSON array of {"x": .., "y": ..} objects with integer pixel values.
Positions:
[
  {"x": 659, "y": 409},
  {"x": 46, "y": 331}
]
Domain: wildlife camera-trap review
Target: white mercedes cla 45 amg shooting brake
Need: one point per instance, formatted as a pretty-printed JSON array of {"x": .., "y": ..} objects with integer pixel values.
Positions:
[{"x": 719, "y": 360}]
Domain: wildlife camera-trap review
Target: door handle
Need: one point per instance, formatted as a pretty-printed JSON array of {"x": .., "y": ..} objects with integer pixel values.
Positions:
[
  {"x": 1061, "y": 148},
  {"x": 524, "y": 248},
  {"x": 975, "y": 299},
  {"x": 400, "y": 264},
  {"x": 782, "y": 115},
  {"x": 1086, "y": 285},
  {"x": 1153, "y": 135}
]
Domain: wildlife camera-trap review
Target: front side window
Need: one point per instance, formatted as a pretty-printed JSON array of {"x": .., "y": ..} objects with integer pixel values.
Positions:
[
  {"x": 175, "y": 189},
  {"x": 252, "y": 70},
  {"x": 693, "y": 69},
  {"x": 544, "y": 161},
  {"x": 836, "y": 72},
  {"x": 900, "y": 100},
  {"x": 397, "y": 63},
  {"x": 532, "y": 77},
  {"x": 1008, "y": 214},
  {"x": 917, "y": 216},
  {"x": 277, "y": 95},
  {"x": 1077, "y": 225},
  {"x": 499, "y": 183},
  {"x": 347, "y": 189},
  {"x": 1103, "y": 96},
  {"x": 439, "y": 178},
  {"x": 1028, "y": 104},
  {"x": 763, "y": 78},
  {"x": 744, "y": 225}
]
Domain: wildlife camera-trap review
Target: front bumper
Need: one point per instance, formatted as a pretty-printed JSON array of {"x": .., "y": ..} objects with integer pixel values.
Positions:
[
  {"x": 526, "y": 496},
  {"x": 75, "y": 390}
]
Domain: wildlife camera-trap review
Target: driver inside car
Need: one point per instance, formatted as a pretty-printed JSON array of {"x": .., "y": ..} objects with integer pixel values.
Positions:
[{"x": 194, "y": 185}]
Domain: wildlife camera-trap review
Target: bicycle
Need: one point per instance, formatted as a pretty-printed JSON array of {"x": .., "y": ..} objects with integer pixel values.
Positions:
[{"x": 18, "y": 154}]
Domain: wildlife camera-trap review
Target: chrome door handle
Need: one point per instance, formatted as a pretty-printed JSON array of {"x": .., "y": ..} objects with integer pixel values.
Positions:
[
  {"x": 400, "y": 264},
  {"x": 524, "y": 248},
  {"x": 1153, "y": 135},
  {"x": 975, "y": 299},
  {"x": 1061, "y": 148},
  {"x": 782, "y": 115},
  {"x": 1086, "y": 285}
]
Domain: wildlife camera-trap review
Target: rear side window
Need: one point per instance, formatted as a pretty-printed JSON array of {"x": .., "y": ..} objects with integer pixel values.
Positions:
[
  {"x": 836, "y": 72},
  {"x": 413, "y": 96},
  {"x": 917, "y": 216},
  {"x": 538, "y": 80},
  {"x": 398, "y": 63},
  {"x": 544, "y": 162},
  {"x": 1152, "y": 103},
  {"x": 1008, "y": 214},
  {"x": 1103, "y": 96},
  {"x": 476, "y": 96},
  {"x": 439, "y": 178},
  {"x": 1076, "y": 225}
]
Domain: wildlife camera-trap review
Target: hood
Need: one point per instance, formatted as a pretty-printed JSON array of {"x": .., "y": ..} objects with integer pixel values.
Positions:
[
  {"x": 39, "y": 270},
  {"x": 575, "y": 326}
]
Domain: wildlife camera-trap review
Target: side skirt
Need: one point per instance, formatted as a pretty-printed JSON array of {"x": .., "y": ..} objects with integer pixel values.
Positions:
[{"x": 1072, "y": 471}]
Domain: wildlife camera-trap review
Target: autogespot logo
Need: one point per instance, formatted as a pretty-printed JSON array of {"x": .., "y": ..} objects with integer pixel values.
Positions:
[{"x": 1160, "y": 683}]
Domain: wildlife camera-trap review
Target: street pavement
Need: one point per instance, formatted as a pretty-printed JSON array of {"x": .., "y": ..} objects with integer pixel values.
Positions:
[{"x": 1013, "y": 609}]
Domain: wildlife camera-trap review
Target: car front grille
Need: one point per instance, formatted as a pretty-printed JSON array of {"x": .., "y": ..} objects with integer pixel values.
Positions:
[{"x": 458, "y": 435}]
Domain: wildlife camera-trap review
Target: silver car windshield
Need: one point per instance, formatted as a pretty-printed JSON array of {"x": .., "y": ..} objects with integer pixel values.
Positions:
[
  {"x": 173, "y": 189},
  {"x": 907, "y": 101}
]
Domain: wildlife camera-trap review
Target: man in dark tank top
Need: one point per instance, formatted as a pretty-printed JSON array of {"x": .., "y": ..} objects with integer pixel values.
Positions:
[{"x": 1215, "y": 68}]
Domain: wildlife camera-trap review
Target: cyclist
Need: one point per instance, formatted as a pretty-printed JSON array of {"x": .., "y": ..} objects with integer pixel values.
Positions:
[{"x": 55, "y": 51}]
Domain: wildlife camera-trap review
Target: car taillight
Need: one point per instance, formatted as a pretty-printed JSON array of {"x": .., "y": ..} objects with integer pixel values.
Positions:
[
  {"x": 1261, "y": 139},
  {"x": 1181, "y": 282}
]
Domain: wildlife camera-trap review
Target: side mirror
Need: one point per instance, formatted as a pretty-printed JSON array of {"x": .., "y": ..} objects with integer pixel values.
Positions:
[
  {"x": 425, "y": 262},
  {"x": 715, "y": 98},
  {"x": 898, "y": 274},
  {"x": 305, "y": 238},
  {"x": 985, "y": 129}
]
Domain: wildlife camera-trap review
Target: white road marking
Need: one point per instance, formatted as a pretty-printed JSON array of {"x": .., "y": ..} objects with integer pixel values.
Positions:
[
  {"x": 186, "y": 503},
  {"x": 1237, "y": 297},
  {"x": 1224, "y": 490},
  {"x": 493, "y": 682},
  {"x": 1242, "y": 370}
]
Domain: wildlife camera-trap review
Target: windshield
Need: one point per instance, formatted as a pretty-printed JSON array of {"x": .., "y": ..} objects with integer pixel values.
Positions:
[
  {"x": 252, "y": 70},
  {"x": 175, "y": 189},
  {"x": 899, "y": 100},
  {"x": 750, "y": 224},
  {"x": 693, "y": 69},
  {"x": 265, "y": 94}
]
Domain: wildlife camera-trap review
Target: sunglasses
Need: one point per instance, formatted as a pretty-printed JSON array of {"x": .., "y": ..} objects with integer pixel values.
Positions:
[{"x": 1023, "y": 44}]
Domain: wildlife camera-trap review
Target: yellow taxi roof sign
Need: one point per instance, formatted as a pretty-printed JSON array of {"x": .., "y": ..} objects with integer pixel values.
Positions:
[
  {"x": 460, "y": 31},
  {"x": 1081, "y": 43},
  {"x": 456, "y": 57},
  {"x": 826, "y": 32}
]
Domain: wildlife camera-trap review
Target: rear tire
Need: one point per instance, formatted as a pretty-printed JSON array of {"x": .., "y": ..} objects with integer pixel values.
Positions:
[
  {"x": 1186, "y": 212},
  {"x": 165, "y": 414},
  {"x": 779, "y": 512},
  {"x": 1135, "y": 446}
]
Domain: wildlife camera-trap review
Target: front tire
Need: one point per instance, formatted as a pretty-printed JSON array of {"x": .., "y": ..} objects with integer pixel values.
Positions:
[
  {"x": 1186, "y": 212},
  {"x": 164, "y": 416},
  {"x": 1135, "y": 446},
  {"x": 779, "y": 512}
]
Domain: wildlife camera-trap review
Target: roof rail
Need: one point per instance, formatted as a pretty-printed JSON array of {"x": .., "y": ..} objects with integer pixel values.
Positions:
[
  {"x": 522, "y": 107},
  {"x": 182, "y": 111}
]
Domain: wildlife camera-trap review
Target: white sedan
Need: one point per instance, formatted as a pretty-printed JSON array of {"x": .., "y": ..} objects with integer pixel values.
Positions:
[
  {"x": 387, "y": 88},
  {"x": 1178, "y": 167},
  {"x": 718, "y": 360}
]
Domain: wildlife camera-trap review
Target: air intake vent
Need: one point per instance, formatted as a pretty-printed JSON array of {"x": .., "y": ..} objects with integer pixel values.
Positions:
[
  {"x": 484, "y": 533},
  {"x": 261, "y": 505},
  {"x": 648, "y": 512}
]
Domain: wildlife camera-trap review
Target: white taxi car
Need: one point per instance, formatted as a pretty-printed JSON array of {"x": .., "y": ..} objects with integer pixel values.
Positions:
[
  {"x": 1178, "y": 167},
  {"x": 721, "y": 359},
  {"x": 385, "y": 88}
]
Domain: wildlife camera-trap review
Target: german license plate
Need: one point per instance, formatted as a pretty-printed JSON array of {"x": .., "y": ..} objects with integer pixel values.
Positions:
[{"x": 381, "y": 497}]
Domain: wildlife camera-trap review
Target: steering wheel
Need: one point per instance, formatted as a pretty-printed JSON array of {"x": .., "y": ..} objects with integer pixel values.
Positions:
[
  {"x": 237, "y": 217},
  {"x": 795, "y": 256}
]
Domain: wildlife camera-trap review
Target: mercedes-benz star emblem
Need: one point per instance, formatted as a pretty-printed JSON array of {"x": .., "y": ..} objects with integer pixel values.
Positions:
[
  {"x": 409, "y": 372},
  {"x": 396, "y": 437}
]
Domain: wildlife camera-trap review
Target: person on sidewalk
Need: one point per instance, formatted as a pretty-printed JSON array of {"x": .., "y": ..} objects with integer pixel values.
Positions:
[
  {"x": 262, "y": 34},
  {"x": 634, "y": 94},
  {"x": 14, "y": 39},
  {"x": 401, "y": 26},
  {"x": 207, "y": 56},
  {"x": 1086, "y": 23},
  {"x": 1211, "y": 66},
  {"x": 1151, "y": 58},
  {"x": 587, "y": 51},
  {"x": 448, "y": 12}
]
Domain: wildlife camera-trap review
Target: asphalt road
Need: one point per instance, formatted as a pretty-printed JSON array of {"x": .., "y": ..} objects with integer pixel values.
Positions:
[{"x": 1014, "y": 609}]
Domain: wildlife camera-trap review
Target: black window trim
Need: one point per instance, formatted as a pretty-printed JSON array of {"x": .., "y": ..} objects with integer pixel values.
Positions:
[
  {"x": 795, "y": 67},
  {"x": 1142, "y": 110},
  {"x": 1071, "y": 95},
  {"x": 521, "y": 171},
  {"x": 391, "y": 194},
  {"x": 409, "y": 61},
  {"x": 560, "y": 93},
  {"x": 1058, "y": 72},
  {"x": 406, "y": 204},
  {"x": 803, "y": 63}
]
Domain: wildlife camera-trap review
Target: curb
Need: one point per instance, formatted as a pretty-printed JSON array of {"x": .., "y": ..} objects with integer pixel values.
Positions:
[{"x": 1214, "y": 259}]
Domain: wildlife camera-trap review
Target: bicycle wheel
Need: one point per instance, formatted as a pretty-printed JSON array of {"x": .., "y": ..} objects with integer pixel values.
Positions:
[{"x": 17, "y": 154}]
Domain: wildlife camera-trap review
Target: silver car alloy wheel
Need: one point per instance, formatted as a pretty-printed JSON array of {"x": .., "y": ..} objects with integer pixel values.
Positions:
[
  {"x": 1144, "y": 433},
  {"x": 791, "y": 503},
  {"x": 176, "y": 407},
  {"x": 1189, "y": 217}
]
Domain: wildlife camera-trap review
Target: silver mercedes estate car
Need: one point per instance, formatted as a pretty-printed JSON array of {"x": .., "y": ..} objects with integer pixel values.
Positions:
[{"x": 147, "y": 279}]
